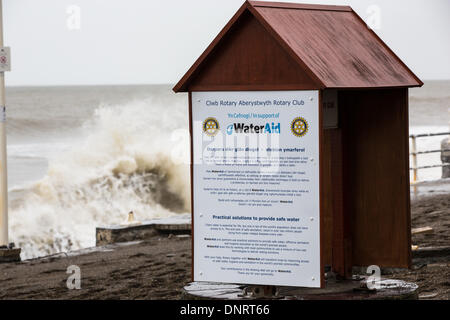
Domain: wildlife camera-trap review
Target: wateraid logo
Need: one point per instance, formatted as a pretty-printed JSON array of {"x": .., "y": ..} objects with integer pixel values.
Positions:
[
  {"x": 230, "y": 129},
  {"x": 252, "y": 128}
]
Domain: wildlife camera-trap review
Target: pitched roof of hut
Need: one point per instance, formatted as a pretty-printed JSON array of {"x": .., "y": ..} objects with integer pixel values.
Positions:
[{"x": 332, "y": 44}]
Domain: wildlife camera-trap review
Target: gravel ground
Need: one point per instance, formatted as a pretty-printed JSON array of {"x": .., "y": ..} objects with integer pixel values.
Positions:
[{"x": 160, "y": 267}]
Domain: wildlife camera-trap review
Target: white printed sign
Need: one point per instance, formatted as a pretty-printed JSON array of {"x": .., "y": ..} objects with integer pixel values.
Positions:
[
  {"x": 5, "y": 59},
  {"x": 256, "y": 187}
]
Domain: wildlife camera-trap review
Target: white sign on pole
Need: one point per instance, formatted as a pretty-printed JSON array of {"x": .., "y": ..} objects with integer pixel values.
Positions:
[
  {"x": 256, "y": 187},
  {"x": 5, "y": 59}
]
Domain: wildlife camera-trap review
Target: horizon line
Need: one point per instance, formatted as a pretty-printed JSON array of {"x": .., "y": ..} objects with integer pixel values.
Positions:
[{"x": 125, "y": 84}]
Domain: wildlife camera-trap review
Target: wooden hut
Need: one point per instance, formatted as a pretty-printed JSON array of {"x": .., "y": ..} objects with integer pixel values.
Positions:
[{"x": 364, "y": 156}]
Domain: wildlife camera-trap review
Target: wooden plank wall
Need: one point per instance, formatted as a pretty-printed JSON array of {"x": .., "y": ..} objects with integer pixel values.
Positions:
[
  {"x": 376, "y": 175},
  {"x": 327, "y": 198},
  {"x": 337, "y": 238}
]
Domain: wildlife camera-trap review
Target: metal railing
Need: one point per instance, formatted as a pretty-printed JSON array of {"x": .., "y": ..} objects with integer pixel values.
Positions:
[{"x": 414, "y": 153}]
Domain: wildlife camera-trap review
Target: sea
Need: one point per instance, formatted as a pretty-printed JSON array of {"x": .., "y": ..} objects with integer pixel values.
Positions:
[{"x": 80, "y": 157}]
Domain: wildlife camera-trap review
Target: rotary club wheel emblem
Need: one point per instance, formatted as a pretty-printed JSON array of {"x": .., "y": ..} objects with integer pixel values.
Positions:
[
  {"x": 211, "y": 126},
  {"x": 299, "y": 127}
]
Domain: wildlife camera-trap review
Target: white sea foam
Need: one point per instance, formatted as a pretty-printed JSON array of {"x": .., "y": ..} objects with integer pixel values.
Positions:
[{"x": 125, "y": 162}]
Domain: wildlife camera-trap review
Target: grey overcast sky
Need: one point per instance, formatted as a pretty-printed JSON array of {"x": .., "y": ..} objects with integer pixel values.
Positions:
[{"x": 68, "y": 42}]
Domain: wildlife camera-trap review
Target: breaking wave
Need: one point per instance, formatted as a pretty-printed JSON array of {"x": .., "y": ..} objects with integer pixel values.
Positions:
[{"x": 130, "y": 157}]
